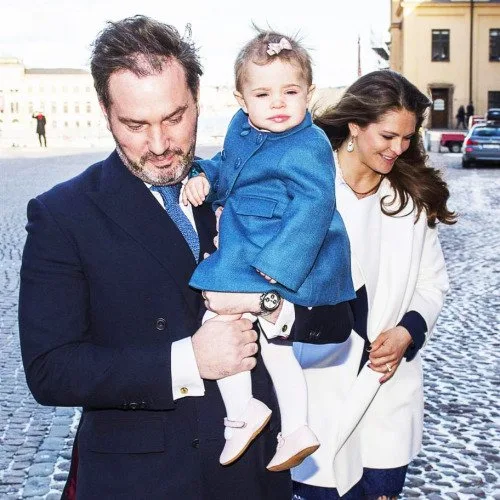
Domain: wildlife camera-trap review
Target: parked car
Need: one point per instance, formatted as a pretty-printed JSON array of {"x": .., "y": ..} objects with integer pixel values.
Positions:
[
  {"x": 452, "y": 140},
  {"x": 493, "y": 116},
  {"x": 482, "y": 145}
]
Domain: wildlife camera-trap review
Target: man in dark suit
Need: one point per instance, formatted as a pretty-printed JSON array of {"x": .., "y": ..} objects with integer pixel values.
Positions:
[{"x": 107, "y": 320}]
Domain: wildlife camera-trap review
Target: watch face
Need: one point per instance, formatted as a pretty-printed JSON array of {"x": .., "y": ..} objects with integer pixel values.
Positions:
[{"x": 271, "y": 301}]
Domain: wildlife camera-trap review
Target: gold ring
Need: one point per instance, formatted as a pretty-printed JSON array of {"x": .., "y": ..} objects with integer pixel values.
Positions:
[{"x": 388, "y": 366}]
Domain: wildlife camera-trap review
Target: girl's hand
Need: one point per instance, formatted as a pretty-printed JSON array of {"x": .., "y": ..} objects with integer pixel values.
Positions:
[
  {"x": 268, "y": 278},
  {"x": 387, "y": 351},
  {"x": 196, "y": 190}
]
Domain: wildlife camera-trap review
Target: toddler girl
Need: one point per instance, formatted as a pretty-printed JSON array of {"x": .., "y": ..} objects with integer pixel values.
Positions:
[{"x": 280, "y": 233}]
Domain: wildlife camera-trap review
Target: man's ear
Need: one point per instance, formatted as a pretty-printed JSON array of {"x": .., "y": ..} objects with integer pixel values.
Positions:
[
  {"x": 105, "y": 113},
  {"x": 241, "y": 101},
  {"x": 310, "y": 92},
  {"x": 198, "y": 102}
]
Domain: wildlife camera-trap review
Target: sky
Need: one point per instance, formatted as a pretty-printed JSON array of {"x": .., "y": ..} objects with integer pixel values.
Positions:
[{"x": 58, "y": 33}]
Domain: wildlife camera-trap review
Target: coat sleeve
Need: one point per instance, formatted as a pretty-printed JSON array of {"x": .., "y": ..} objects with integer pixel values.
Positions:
[
  {"x": 308, "y": 174},
  {"x": 211, "y": 168},
  {"x": 64, "y": 365},
  {"x": 432, "y": 282}
]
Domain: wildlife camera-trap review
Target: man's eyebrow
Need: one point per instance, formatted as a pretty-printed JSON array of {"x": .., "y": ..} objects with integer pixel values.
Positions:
[{"x": 180, "y": 109}]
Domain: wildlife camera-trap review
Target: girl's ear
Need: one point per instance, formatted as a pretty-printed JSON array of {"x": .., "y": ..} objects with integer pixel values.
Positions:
[
  {"x": 241, "y": 101},
  {"x": 310, "y": 91}
]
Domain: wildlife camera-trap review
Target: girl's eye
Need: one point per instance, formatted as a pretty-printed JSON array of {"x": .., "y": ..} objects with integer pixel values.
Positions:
[
  {"x": 261, "y": 95},
  {"x": 291, "y": 92}
]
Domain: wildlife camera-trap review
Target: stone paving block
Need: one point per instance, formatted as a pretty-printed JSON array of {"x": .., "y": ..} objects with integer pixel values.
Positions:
[{"x": 45, "y": 469}]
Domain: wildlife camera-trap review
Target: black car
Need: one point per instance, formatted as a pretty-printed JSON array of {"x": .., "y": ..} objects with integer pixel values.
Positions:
[{"x": 482, "y": 145}]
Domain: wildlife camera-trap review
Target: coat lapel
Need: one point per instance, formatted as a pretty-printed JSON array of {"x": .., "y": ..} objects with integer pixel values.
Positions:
[
  {"x": 395, "y": 258},
  {"x": 127, "y": 201}
]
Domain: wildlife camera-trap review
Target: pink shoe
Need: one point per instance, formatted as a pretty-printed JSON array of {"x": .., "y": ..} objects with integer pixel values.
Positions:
[
  {"x": 245, "y": 430},
  {"x": 292, "y": 449}
]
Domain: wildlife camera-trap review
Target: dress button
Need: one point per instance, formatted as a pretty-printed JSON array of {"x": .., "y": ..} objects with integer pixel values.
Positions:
[
  {"x": 184, "y": 390},
  {"x": 223, "y": 154},
  {"x": 284, "y": 328},
  {"x": 195, "y": 443},
  {"x": 227, "y": 192},
  {"x": 237, "y": 163},
  {"x": 245, "y": 132},
  {"x": 161, "y": 323},
  {"x": 259, "y": 138},
  {"x": 133, "y": 406}
]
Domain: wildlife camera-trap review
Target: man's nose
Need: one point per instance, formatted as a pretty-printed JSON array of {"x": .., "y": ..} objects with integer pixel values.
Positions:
[{"x": 158, "y": 141}]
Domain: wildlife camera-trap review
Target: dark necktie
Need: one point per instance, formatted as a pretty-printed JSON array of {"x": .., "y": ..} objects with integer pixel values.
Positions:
[{"x": 170, "y": 196}]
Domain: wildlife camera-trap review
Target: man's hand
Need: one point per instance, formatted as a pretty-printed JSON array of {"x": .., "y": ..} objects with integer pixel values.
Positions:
[
  {"x": 387, "y": 351},
  {"x": 223, "y": 346},
  {"x": 196, "y": 190}
]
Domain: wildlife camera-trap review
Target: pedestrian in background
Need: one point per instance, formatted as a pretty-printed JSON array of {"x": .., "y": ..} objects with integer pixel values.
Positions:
[
  {"x": 460, "y": 116},
  {"x": 469, "y": 112},
  {"x": 40, "y": 128},
  {"x": 366, "y": 396}
]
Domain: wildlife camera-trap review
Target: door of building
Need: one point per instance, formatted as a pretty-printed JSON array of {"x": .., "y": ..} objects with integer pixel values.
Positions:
[{"x": 440, "y": 111}]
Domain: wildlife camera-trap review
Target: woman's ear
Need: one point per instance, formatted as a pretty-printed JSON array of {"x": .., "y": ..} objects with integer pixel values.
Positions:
[
  {"x": 353, "y": 129},
  {"x": 241, "y": 101}
]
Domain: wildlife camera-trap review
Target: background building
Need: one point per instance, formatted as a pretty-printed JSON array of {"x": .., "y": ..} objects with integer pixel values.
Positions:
[
  {"x": 65, "y": 96},
  {"x": 451, "y": 50}
]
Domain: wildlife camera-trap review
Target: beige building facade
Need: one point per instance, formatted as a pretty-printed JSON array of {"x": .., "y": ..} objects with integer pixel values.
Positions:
[
  {"x": 451, "y": 51},
  {"x": 65, "y": 96}
]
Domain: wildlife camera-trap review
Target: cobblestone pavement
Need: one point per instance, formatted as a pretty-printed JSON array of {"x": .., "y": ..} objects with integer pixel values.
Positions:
[{"x": 460, "y": 459}]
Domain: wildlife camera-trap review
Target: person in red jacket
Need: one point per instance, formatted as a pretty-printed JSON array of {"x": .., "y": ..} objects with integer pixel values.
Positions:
[{"x": 40, "y": 128}]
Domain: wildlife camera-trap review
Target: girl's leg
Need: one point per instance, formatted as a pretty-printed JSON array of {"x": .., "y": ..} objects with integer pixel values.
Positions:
[
  {"x": 245, "y": 416},
  {"x": 296, "y": 440},
  {"x": 289, "y": 383}
]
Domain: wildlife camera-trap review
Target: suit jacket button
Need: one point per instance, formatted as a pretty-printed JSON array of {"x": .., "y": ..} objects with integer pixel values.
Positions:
[
  {"x": 195, "y": 443},
  {"x": 161, "y": 323},
  {"x": 133, "y": 406},
  {"x": 314, "y": 335},
  {"x": 142, "y": 405},
  {"x": 284, "y": 328}
]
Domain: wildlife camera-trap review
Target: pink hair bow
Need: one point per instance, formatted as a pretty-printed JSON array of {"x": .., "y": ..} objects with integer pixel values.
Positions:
[{"x": 276, "y": 48}]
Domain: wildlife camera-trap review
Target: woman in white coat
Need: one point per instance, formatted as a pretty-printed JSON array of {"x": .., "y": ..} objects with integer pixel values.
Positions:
[{"x": 365, "y": 396}]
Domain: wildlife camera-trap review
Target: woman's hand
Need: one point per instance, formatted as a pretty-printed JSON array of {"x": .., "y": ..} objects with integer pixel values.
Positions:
[{"x": 387, "y": 351}]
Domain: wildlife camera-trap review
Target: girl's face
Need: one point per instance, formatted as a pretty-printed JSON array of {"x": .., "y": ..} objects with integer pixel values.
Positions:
[
  {"x": 378, "y": 145},
  {"x": 275, "y": 96}
]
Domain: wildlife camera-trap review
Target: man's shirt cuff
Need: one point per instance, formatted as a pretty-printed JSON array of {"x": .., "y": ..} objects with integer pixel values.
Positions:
[
  {"x": 186, "y": 380},
  {"x": 283, "y": 324}
]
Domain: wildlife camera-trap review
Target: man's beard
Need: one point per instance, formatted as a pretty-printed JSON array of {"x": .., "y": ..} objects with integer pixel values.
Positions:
[{"x": 169, "y": 175}]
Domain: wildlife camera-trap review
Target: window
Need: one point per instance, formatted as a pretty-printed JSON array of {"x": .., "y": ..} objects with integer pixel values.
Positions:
[
  {"x": 77, "y": 107},
  {"x": 54, "y": 124},
  {"x": 30, "y": 108},
  {"x": 54, "y": 108},
  {"x": 495, "y": 45},
  {"x": 494, "y": 99},
  {"x": 440, "y": 45},
  {"x": 89, "y": 124},
  {"x": 88, "y": 107},
  {"x": 65, "y": 107},
  {"x": 66, "y": 124}
]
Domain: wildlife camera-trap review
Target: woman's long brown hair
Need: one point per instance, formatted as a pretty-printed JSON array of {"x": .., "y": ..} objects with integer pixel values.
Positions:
[{"x": 365, "y": 102}]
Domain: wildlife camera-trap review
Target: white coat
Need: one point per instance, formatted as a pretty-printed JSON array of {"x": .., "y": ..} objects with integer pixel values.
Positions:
[{"x": 359, "y": 422}]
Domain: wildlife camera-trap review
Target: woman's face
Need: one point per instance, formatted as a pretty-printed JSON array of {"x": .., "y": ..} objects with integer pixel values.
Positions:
[{"x": 379, "y": 144}]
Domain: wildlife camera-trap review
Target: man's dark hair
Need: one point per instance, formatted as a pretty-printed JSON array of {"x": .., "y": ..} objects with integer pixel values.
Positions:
[{"x": 141, "y": 45}]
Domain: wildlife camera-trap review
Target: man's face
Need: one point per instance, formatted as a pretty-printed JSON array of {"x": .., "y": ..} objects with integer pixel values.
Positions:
[{"x": 153, "y": 121}]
